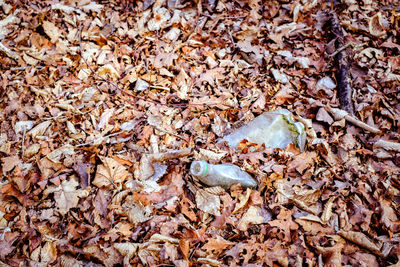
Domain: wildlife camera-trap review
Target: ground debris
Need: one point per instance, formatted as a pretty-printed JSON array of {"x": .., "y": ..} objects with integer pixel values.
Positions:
[{"x": 104, "y": 105}]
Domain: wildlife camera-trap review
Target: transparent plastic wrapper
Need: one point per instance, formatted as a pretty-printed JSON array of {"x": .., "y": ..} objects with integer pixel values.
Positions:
[
  {"x": 276, "y": 129},
  {"x": 224, "y": 175}
]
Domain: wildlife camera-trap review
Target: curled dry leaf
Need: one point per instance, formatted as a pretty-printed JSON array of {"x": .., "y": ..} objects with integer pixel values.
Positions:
[
  {"x": 209, "y": 262},
  {"x": 108, "y": 70},
  {"x": 377, "y": 25},
  {"x": 209, "y": 155},
  {"x": 32, "y": 150},
  {"x": 387, "y": 145},
  {"x": 126, "y": 249},
  {"x": 39, "y": 130},
  {"x": 327, "y": 213},
  {"x": 56, "y": 155},
  {"x": 158, "y": 238},
  {"x": 136, "y": 211},
  {"x": 107, "y": 256},
  {"x": 362, "y": 240},
  {"x": 243, "y": 199},
  {"x": 146, "y": 168}
]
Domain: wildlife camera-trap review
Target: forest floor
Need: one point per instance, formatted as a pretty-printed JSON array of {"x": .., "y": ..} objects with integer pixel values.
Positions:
[{"x": 93, "y": 95}]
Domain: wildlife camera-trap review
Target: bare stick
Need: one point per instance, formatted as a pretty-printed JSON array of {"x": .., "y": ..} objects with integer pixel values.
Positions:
[
  {"x": 23, "y": 141},
  {"x": 342, "y": 114},
  {"x": 345, "y": 89},
  {"x": 387, "y": 145}
]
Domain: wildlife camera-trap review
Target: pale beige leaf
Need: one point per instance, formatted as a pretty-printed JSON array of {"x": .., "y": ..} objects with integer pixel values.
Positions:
[
  {"x": 68, "y": 261},
  {"x": 39, "y": 129},
  {"x": 105, "y": 118},
  {"x": 208, "y": 202},
  {"x": 157, "y": 238},
  {"x": 111, "y": 172},
  {"x": 209, "y": 155},
  {"x": 309, "y": 197},
  {"x": 108, "y": 70},
  {"x": 108, "y": 256},
  {"x": 243, "y": 199},
  {"x": 208, "y": 262},
  {"x": 56, "y": 155},
  {"x": 138, "y": 214},
  {"x": 217, "y": 245},
  {"x": 252, "y": 216},
  {"x": 51, "y": 30},
  {"x": 183, "y": 82},
  {"x": 126, "y": 249},
  {"x": 67, "y": 195},
  {"x": 48, "y": 253},
  {"x": 136, "y": 211},
  {"x": 32, "y": 150}
]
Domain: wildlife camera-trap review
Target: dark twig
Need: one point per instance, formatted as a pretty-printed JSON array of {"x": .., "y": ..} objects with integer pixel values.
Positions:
[{"x": 345, "y": 89}]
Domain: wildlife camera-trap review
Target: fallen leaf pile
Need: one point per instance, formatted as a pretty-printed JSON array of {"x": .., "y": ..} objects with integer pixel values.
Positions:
[{"x": 104, "y": 105}]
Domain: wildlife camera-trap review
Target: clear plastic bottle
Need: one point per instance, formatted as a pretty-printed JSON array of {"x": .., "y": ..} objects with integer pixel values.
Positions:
[
  {"x": 275, "y": 129},
  {"x": 224, "y": 175}
]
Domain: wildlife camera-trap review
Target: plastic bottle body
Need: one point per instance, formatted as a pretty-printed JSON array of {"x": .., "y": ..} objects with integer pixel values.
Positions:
[
  {"x": 275, "y": 129},
  {"x": 224, "y": 175}
]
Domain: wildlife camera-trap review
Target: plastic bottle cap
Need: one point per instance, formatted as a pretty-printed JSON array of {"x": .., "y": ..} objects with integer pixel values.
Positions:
[
  {"x": 205, "y": 168},
  {"x": 199, "y": 168}
]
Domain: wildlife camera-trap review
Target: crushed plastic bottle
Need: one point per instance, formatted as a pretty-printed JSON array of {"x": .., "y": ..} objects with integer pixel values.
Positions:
[
  {"x": 224, "y": 175},
  {"x": 276, "y": 129}
]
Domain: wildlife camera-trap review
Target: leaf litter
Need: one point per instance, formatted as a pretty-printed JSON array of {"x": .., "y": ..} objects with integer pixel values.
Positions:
[{"x": 104, "y": 105}]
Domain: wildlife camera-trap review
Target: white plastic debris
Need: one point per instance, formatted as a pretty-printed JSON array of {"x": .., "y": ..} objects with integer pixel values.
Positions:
[
  {"x": 327, "y": 85},
  {"x": 141, "y": 85},
  {"x": 275, "y": 129}
]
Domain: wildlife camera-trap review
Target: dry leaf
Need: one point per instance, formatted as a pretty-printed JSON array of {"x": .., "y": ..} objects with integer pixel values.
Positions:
[
  {"x": 327, "y": 213},
  {"x": 217, "y": 245},
  {"x": 48, "y": 253},
  {"x": 110, "y": 173},
  {"x": 39, "y": 130},
  {"x": 254, "y": 215},
  {"x": 67, "y": 195},
  {"x": 208, "y": 202},
  {"x": 362, "y": 240},
  {"x": 52, "y": 31}
]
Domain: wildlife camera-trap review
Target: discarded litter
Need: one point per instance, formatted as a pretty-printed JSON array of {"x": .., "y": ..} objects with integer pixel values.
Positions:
[
  {"x": 224, "y": 175},
  {"x": 276, "y": 129},
  {"x": 141, "y": 85}
]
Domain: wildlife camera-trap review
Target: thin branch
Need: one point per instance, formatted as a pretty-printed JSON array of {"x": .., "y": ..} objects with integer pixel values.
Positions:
[
  {"x": 345, "y": 90},
  {"x": 342, "y": 114}
]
